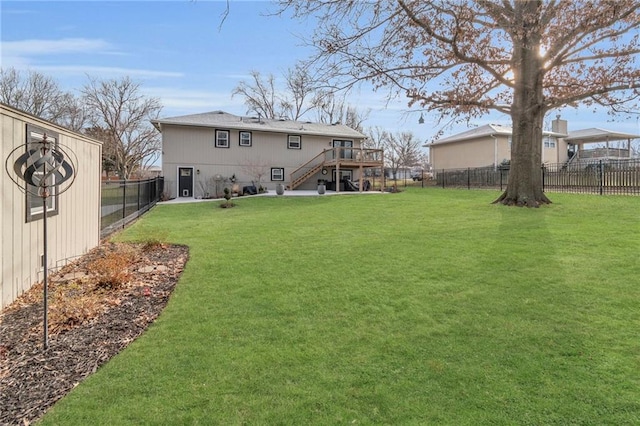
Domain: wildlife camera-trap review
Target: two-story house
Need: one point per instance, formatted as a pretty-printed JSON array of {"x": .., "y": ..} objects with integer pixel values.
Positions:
[
  {"x": 490, "y": 145},
  {"x": 203, "y": 152}
]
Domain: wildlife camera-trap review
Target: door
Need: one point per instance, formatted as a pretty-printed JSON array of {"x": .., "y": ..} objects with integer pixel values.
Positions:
[
  {"x": 344, "y": 153},
  {"x": 185, "y": 181}
]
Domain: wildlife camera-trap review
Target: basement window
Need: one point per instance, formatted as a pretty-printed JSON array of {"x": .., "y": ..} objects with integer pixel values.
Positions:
[{"x": 277, "y": 174}]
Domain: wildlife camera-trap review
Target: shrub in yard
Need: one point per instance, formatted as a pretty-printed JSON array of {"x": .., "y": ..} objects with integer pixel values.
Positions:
[
  {"x": 71, "y": 305},
  {"x": 112, "y": 270},
  {"x": 227, "y": 197}
]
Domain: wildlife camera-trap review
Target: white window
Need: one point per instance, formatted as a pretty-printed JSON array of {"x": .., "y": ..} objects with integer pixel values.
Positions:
[
  {"x": 222, "y": 139},
  {"x": 549, "y": 142},
  {"x": 35, "y": 202},
  {"x": 294, "y": 142},
  {"x": 277, "y": 174},
  {"x": 245, "y": 138}
]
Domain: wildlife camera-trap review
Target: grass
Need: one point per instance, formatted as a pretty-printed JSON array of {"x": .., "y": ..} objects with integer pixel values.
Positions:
[{"x": 424, "y": 307}]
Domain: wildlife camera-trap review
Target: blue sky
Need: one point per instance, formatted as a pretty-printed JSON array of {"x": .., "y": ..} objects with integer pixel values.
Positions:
[{"x": 179, "y": 53}]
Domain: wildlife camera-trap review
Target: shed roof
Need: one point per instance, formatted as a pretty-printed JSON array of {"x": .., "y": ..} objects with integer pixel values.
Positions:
[
  {"x": 595, "y": 134},
  {"x": 221, "y": 119}
]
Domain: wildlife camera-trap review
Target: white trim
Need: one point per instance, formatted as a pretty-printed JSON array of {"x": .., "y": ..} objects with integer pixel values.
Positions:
[
  {"x": 289, "y": 142},
  {"x": 228, "y": 145},
  {"x": 277, "y": 168},
  {"x": 240, "y": 138}
]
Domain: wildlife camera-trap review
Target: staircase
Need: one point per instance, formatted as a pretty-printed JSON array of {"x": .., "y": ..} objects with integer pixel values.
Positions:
[
  {"x": 337, "y": 157},
  {"x": 306, "y": 175}
]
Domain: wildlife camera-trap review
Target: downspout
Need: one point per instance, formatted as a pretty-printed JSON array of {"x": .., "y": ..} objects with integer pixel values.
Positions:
[{"x": 495, "y": 152}]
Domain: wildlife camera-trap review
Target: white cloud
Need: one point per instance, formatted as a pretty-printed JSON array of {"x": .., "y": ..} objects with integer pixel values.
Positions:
[
  {"x": 35, "y": 47},
  {"x": 105, "y": 72},
  {"x": 182, "y": 102}
]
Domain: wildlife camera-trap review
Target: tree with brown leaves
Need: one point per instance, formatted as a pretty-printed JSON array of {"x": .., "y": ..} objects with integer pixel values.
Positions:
[{"x": 468, "y": 58}]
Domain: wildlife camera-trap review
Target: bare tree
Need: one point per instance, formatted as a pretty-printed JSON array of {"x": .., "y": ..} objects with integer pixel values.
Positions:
[
  {"x": 467, "y": 58},
  {"x": 402, "y": 149},
  {"x": 256, "y": 168},
  {"x": 300, "y": 86},
  {"x": 123, "y": 116},
  {"x": 109, "y": 148},
  {"x": 302, "y": 93},
  {"x": 332, "y": 108},
  {"x": 36, "y": 94},
  {"x": 75, "y": 115},
  {"x": 377, "y": 138},
  {"x": 260, "y": 95}
]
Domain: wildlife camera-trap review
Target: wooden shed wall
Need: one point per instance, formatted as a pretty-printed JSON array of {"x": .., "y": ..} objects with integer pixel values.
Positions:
[{"x": 71, "y": 233}]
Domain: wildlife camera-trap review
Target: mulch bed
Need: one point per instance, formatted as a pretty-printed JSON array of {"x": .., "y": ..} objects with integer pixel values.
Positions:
[{"x": 91, "y": 320}]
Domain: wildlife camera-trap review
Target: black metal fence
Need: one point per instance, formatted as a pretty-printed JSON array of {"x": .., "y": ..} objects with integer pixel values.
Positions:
[
  {"x": 123, "y": 201},
  {"x": 596, "y": 177}
]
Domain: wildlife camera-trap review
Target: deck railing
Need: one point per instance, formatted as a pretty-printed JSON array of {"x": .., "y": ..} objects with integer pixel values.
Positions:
[
  {"x": 331, "y": 156},
  {"x": 603, "y": 153}
]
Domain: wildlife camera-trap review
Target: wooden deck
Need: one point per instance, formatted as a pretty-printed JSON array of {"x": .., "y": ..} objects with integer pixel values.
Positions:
[{"x": 339, "y": 158}]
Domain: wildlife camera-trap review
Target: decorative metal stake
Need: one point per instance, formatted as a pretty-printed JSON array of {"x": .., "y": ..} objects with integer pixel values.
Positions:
[{"x": 44, "y": 167}]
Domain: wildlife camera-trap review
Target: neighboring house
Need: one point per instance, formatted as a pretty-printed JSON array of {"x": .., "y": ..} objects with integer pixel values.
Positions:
[
  {"x": 203, "y": 153},
  {"x": 73, "y": 217},
  {"x": 490, "y": 145},
  {"x": 152, "y": 172}
]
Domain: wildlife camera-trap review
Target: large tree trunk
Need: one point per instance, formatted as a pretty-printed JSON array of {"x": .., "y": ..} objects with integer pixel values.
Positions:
[{"x": 524, "y": 187}]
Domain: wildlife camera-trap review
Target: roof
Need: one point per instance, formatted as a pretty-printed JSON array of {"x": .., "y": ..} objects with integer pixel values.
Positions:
[
  {"x": 484, "y": 131},
  {"x": 221, "y": 119},
  {"x": 598, "y": 135},
  {"x": 478, "y": 132},
  {"x": 28, "y": 116}
]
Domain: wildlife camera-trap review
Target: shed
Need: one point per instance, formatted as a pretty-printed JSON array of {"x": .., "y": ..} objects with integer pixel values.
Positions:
[{"x": 73, "y": 217}]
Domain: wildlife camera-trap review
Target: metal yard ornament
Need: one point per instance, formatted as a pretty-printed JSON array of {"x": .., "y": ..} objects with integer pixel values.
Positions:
[{"x": 42, "y": 168}]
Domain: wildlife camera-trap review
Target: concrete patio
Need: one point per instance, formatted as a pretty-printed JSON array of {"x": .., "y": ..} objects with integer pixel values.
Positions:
[{"x": 271, "y": 193}]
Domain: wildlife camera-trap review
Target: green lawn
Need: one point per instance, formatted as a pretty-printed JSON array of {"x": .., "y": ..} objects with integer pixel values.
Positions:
[{"x": 424, "y": 307}]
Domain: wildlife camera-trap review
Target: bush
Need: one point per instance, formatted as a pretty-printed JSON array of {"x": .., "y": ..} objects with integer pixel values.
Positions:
[{"x": 112, "y": 271}]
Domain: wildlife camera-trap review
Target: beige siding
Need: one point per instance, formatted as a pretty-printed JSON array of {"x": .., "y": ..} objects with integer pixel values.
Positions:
[
  {"x": 71, "y": 233},
  {"x": 559, "y": 154},
  {"x": 190, "y": 146},
  {"x": 472, "y": 153},
  {"x": 485, "y": 152}
]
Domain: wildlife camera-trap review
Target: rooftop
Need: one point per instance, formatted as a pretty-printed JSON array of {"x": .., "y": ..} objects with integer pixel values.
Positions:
[{"x": 221, "y": 119}]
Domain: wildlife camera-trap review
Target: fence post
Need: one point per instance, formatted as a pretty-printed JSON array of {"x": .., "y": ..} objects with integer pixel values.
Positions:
[
  {"x": 443, "y": 177},
  {"x": 543, "y": 175},
  {"x": 601, "y": 169},
  {"x": 468, "y": 177},
  {"x": 500, "y": 178},
  {"x": 124, "y": 201}
]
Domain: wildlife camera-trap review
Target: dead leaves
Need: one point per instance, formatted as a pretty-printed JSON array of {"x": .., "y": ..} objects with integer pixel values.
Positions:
[{"x": 88, "y": 324}]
